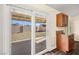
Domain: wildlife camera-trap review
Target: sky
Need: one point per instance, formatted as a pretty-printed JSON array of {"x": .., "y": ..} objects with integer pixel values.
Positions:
[{"x": 24, "y": 22}]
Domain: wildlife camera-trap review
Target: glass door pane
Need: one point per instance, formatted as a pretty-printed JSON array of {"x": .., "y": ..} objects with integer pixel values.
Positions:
[
  {"x": 21, "y": 33},
  {"x": 40, "y": 34}
]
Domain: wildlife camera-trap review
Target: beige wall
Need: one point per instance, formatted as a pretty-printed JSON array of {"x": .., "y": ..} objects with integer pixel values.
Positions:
[
  {"x": 75, "y": 27},
  {"x": 40, "y": 7},
  {"x": 1, "y": 29}
]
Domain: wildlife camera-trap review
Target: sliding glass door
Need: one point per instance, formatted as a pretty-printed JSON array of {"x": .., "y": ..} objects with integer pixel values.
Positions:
[
  {"x": 28, "y": 32},
  {"x": 40, "y": 34},
  {"x": 21, "y": 32}
]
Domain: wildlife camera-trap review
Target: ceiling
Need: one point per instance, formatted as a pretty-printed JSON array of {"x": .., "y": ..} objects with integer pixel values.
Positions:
[{"x": 70, "y": 9}]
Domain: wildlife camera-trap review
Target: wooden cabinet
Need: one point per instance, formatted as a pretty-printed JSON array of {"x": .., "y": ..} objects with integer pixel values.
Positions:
[
  {"x": 64, "y": 43},
  {"x": 71, "y": 42},
  {"x": 61, "y": 20},
  {"x": 58, "y": 39}
]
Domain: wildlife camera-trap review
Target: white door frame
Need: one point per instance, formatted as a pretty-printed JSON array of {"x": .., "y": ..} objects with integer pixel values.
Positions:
[
  {"x": 31, "y": 13},
  {"x": 45, "y": 16},
  {"x": 7, "y": 30}
]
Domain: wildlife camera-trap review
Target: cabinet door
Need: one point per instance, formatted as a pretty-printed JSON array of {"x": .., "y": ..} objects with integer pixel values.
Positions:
[
  {"x": 59, "y": 20},
  {"x": 65, "y": 20},
  {"x": 58, "y": 40},
  {"x": 71, "y": 42},
  {"x": 62, "y": 20}
]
